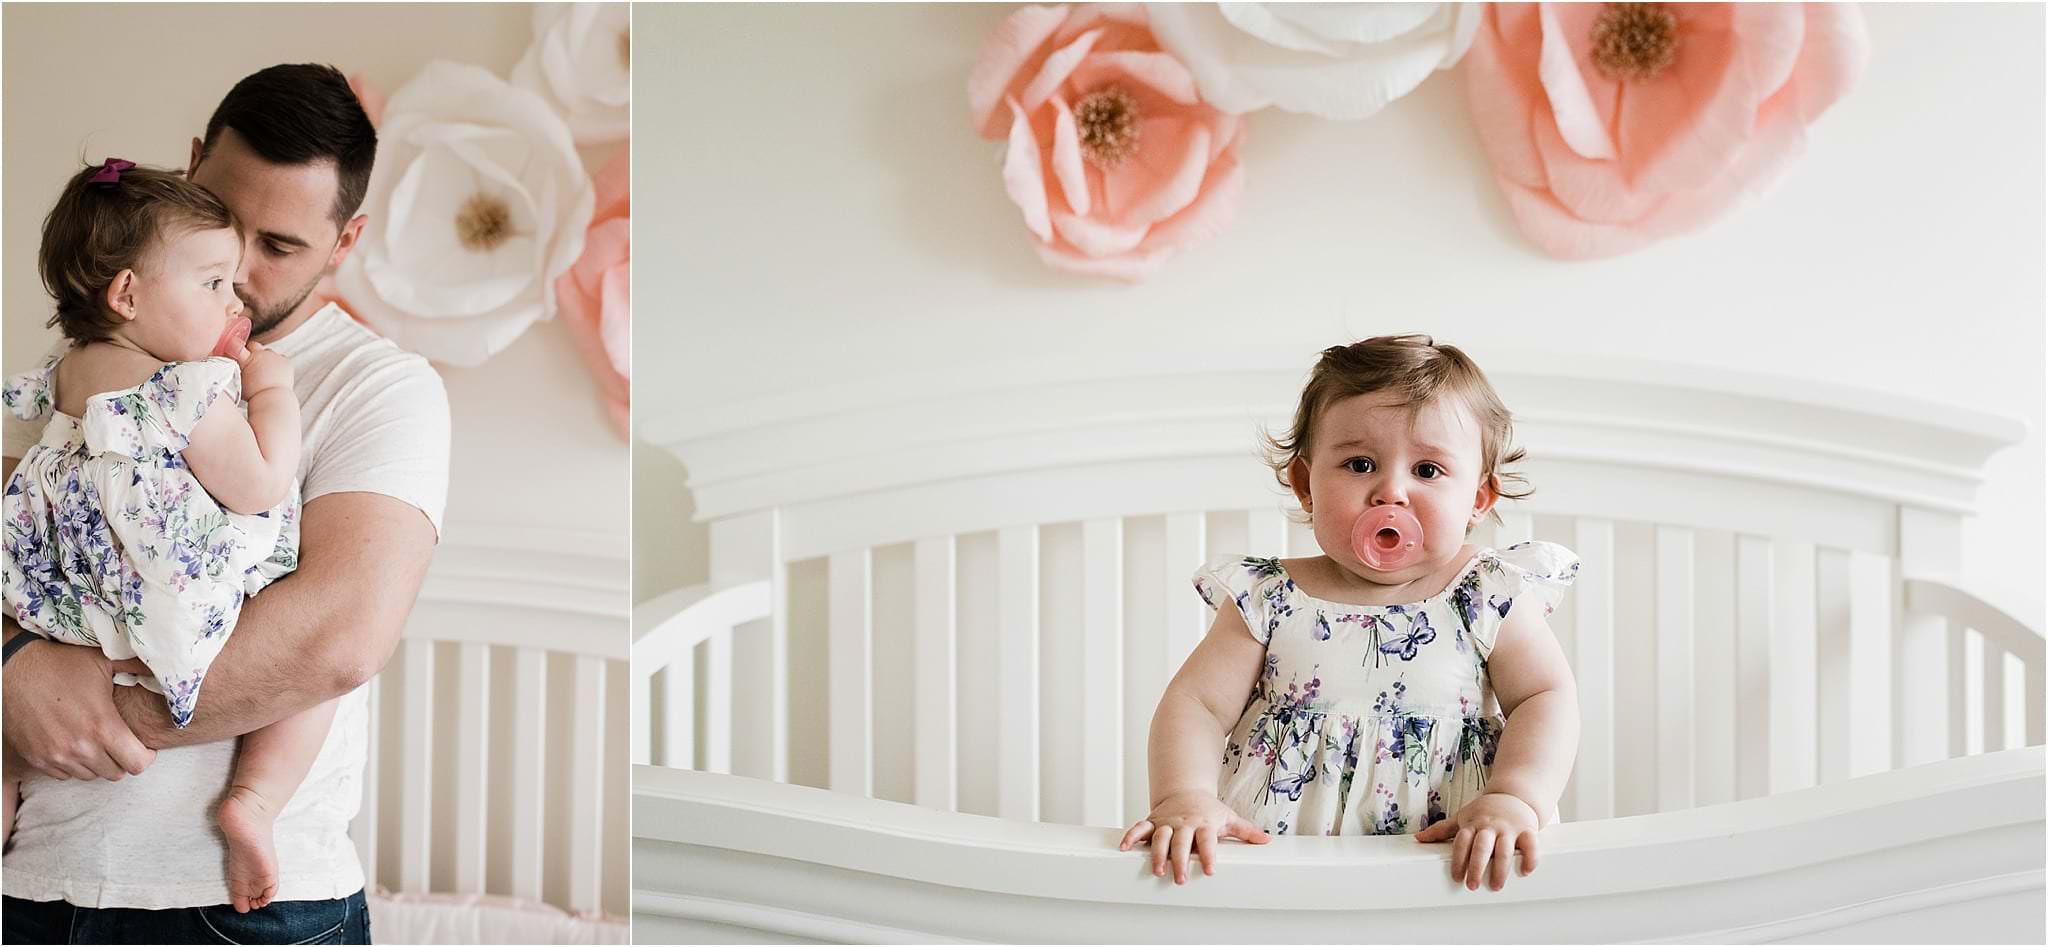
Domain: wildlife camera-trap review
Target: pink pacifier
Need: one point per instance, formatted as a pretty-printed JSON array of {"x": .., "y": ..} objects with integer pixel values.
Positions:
[
  {"x": 1387, "y": 538},
  {"x": 233, "y": 337}
]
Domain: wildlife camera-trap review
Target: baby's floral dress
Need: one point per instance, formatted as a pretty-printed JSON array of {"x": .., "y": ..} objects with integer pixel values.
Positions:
[
  {"x": 1372, "y": 719},
  {"x": 112, "y": 542}
]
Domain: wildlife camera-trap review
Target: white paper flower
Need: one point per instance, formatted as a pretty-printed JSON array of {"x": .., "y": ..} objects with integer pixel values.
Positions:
[
  {"x": 581, "y": 62},
  {"x": 1336, "y": 60},
  {"x": 479, "y": 202}
]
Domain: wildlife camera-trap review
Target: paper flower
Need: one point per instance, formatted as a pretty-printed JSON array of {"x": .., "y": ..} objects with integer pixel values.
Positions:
[
  {"x": 581, "y": 63},
  {"x": 597, "y": 294},
  {"x": 1113, "y": 156},
  {"x": 1335, "y": 60},
  {"x": 1613, "y": 126},
  {"x": 478, "y": 204}
]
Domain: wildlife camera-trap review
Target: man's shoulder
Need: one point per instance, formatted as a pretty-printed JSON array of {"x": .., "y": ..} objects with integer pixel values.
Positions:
[{"x": 362, "y": 357}]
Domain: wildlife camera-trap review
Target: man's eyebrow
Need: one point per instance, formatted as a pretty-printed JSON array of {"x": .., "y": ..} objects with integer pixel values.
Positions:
[{"x": 283, "y": 238}]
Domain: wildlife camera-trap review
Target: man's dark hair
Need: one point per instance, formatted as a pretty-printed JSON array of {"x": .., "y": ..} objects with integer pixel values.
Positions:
[{"x": 300, "y": 114}]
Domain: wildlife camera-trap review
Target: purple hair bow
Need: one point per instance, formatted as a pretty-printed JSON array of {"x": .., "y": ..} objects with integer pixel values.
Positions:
[{"x": 110, "y": 173}]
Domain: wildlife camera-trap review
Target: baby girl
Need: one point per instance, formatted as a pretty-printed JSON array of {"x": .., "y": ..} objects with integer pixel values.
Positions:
[
  {"x": 153, "y": 503},
  {"x": 1404, "y": 681}
]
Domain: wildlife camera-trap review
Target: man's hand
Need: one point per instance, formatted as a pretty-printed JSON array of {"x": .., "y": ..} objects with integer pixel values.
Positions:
[{"x": 60, "y": 717}]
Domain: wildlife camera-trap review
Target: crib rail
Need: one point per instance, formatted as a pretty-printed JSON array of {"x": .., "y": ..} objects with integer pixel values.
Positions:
[
  {"x": 1994, "y": 673},
  {"x": 1861, "y": 861},
  {"x": 974, "y": 601},
  {"x": 494, "y": 730}
]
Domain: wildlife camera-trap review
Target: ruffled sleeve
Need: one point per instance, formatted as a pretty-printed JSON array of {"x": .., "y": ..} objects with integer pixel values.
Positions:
[
  {"x": 1528, "y": 575},
  {"x": 28, "y": 395},
  {"x": 162, "y": 412},
  {"x": 1248, "y": 584}
]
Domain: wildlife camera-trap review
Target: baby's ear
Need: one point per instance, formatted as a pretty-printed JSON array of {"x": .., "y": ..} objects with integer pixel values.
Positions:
[
  {"x": 1488, "y": 495},
  {"x": 1297, "y": 478},
  {"x": 121, "y": 294}
]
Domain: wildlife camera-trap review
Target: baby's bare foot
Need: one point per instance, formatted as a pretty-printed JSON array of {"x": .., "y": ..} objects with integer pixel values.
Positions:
[{"x": 246, "y": 818}]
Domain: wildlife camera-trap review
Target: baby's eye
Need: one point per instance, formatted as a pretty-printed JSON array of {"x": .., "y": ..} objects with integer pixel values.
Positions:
[
  {"x": 213, "y": 285},
  {"x": 1359, "y": 465},
  {"x": 1428, "y": 471}
]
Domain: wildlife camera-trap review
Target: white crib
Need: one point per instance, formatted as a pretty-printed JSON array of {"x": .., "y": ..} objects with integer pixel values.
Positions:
[
  {"x": 494, "y": 805},
  {"x": 1796, "y": 725}
]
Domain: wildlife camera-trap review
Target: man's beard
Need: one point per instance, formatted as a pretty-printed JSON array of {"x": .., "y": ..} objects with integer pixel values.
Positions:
[{"x": 263, "y": 319}]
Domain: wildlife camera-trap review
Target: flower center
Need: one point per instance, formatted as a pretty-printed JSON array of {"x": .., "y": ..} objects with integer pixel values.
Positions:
[
  {"x": 483, "y": 223},
  {"x": 1108, "y": 120},
  {"x": 1634, "y": 42}
]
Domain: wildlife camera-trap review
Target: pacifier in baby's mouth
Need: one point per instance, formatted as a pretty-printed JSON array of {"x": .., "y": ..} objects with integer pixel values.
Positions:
[
  {"x": 1387, "y": 538},
  {"x": 233, "y": 337}
]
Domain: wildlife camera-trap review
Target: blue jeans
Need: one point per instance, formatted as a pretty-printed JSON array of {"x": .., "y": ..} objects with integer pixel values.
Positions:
[{"x": 344, "y": 921}]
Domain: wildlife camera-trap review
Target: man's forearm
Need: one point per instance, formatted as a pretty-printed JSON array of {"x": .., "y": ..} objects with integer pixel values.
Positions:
[{"x": 313, "y": 635}]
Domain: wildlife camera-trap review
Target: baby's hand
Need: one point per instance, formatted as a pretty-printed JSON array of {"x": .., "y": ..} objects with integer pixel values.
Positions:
[
  {"x": 1190, "y": 820},
  {"x": 1488, "y": 829},
  {"x": 263, "y": 369}
]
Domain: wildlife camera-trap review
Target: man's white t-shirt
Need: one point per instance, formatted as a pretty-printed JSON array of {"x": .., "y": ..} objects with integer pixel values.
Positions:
[{"x": 376, "y": 421}]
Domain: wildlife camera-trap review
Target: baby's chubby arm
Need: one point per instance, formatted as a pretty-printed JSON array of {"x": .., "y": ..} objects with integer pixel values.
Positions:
[
  {"x": 1534, "y": 684},
  {"x": 1194, "y": 716},
  {"x": 248, "y": 465}
]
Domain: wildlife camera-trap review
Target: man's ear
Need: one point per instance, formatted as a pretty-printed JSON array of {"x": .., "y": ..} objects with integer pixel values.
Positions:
[
  {"x": 350, "y": 233},
  {"x": 1297, "y": 478},
  {"x": 121, "y": 294},
  {"x": 1488, "y": 495},
  {"x": 192, "y": 165}
]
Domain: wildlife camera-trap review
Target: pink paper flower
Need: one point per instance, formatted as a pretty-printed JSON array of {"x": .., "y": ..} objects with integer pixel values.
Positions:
[
  {"x": 1113, "y": 156},
  {"x": 1615, "y": 125},
  {"x": 596, "y": 294}
]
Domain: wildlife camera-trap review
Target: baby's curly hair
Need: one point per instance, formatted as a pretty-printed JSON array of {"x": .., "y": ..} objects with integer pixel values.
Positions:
[
  {"x": 96, "y": 230},
  {"x": 1422, "y": 371}
]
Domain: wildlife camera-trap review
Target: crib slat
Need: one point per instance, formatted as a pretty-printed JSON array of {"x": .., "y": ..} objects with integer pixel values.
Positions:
[
  {"x": 1832, "y": 597},
  {"x": 1186, "y": 618},
  {"x": 1301, "y": 539},
  {"x": 586, "y": 796},
  {"x": 472, "y": 763},
  {"x": 640, "y": 716},
  {"x": 678, "y": 682},
  {"x": 1714, "y": 668},
  {"x": 1794, "y": 669},
  {"x": 2015, "y": 701},
  {"x": 850, "y": 647},
  {"x": 2034, "y": 704},
  {"x": 1102, "y": 699},
  {"x": 529, "y": 771},
  {"x": 718, "y": 703},
  {"x": 364, "y": 829},
  {"x": 937, "y": 679},
  {"x": 1675, "y": 745},
  {"x": 416, "y": 755},
  {"x": 1870, "y": 664},
  {"x": 1017, "y": 673},
  {"x": 1959, "y": 706},
  {"x": 1753, "y": 639},
  {"x": 1265, "y": 533},
  {"x": 1515, "y": 528},
  {"x": 1991, "y": 670},
  {"x": 1923, "y": 678},
  {"x": 1593, "y": 649},
  {"x": 1145, "y": 646}
]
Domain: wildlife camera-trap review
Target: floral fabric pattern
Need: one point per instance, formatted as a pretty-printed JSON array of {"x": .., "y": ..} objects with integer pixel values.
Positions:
[
  {"x": 111, "y": 542},
  {"x": 1372, "y": 719}
]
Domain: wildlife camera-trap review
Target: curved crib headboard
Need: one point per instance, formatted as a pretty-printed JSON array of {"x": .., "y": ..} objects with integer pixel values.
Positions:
[
  {"x": 1005, "y": 549},
  {"x": 497, "y": 729}
]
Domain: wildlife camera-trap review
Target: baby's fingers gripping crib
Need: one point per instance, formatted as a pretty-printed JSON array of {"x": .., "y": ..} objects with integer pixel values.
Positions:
[{"x": 970, "y": 601}]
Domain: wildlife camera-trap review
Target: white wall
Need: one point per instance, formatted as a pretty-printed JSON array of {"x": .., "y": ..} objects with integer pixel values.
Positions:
[
  {"x": 832, "y": 217},
  {"x": 533, "y": 455}
]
